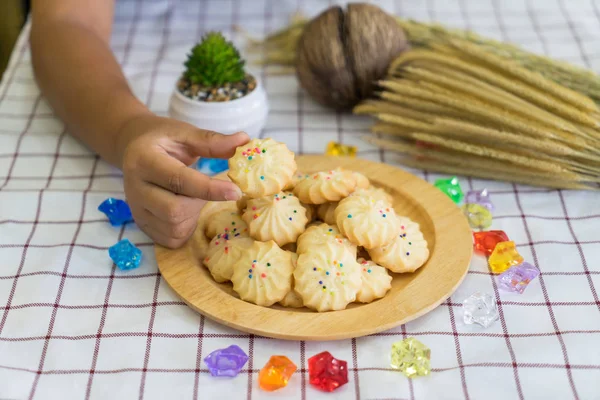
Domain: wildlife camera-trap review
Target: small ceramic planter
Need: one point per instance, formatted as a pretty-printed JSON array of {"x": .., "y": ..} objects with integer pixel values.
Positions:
[{"x": 248, "y": 113}]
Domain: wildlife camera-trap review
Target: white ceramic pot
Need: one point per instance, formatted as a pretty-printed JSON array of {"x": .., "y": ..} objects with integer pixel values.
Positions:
[{"x": 248, "y": 113}]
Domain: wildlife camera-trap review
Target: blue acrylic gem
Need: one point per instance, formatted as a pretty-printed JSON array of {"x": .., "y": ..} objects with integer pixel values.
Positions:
[
  {"x": 125, "y": 255},
  {"x": 212, "y": 166},
  {"x": 116, "y": 210},
  {"x": 226, "y": 362}
]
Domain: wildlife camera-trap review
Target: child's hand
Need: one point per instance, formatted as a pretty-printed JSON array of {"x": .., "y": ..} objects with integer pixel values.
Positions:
[{"x": 165, "y": 195}]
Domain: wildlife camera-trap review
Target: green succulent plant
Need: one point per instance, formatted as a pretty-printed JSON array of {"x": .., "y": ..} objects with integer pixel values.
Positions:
[{"x": 214, "y": 61}]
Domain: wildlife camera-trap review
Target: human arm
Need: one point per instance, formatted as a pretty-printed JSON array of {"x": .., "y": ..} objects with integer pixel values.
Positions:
[{"x": 80, "y": 77}]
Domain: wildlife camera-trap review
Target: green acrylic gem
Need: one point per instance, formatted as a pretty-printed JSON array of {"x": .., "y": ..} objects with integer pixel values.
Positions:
[
  {"x": 451, "y": 187},
  {"x": 411, "y": 357}
]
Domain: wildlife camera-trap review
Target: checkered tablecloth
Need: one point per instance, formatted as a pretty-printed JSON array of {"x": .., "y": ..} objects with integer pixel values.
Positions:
[{"x": 73, "y": 327}]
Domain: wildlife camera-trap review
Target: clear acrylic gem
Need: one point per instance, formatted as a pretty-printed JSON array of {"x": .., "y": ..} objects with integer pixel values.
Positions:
[{"x": 480, "y": 308}]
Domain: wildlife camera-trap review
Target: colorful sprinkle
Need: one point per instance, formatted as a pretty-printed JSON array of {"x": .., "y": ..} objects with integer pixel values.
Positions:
[
  {"x": 250, "y": 270},
  {"x": 314, "y": 269},
  {"x": 268, "y": 264},
  {"x": 369, "y": 271},
  {"x": 250, "y": 276},
  {"x": 295, "y": 211},
  {"x": 327, "y": 273},
  {"x": 264, "y": 151},
  {"x": 262, "y": 178},
  {"x": 320, "y": 282},
  {"x": 290, "y": 218},
  {"x": 349, "y": 215},
  {"x": 263, "y": 275},
  {"x": 407, "y": 253}
]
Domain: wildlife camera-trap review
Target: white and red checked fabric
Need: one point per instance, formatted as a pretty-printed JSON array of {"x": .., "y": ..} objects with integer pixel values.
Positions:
[{"x": 74, "y": 327}]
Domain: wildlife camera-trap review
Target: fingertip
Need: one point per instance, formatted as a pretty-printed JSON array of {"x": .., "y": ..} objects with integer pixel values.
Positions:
[
  {"x": 242, "y": 137},
  {"x": 233, "y": 193}
]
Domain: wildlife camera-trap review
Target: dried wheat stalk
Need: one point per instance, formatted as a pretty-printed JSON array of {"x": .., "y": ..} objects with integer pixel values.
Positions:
[{"x": 458, "y": 103}]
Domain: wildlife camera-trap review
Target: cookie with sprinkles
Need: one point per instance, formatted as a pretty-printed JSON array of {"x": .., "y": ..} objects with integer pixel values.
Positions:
[
  {"x": 223, "y": 252},
  {"x": 326, "y": 212},
  {"x": 263, "y": 274},
  {"x": 407, "y": 252},
  {"x": 376, "y": 281},
  {"x": 292, "y": 299},
  {"x": 322, "y": 187},
  {"x": 212, "y": 208},
  {"x": 298, "y": 176},
  {"x": 311, "y": 211},
  {"x": 367, "y": 221},
  {"x": 226, "y": 221},
  {"x": 376, "y": 193},
  {"x": 327, "y": 279},
  {"x": 319, "y": 234},
  {"x": 279, "y": 217},
  {"x": 262, "y": 167},
  {"x": 362, "y": 182}
]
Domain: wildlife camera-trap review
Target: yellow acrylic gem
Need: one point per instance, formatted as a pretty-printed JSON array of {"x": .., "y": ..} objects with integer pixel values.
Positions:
[
  {"x": 504, "y": 256},
  {"x": 411, "y": 357},
  {"x": 478, "y": 216},
  {"x": 338, "y": 149}
]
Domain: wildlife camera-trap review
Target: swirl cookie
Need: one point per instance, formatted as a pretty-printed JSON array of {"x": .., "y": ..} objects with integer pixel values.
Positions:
[
  {"x": 292, "y": 299},
  {"x": 326, "y": 212},
  {"x": 327, "y": 279},
  {"x": 262, "y": 167},
  {"x": 223, "y": 251},
  {"x": 226, "y": 221},
  {"x": 325, "y": 186},
  {"x": 362, "y": 182},
  {"x": 407, "y": 252},
  {"x": 376, "y": 281},
  {"x": 366, "y": 221},
  {"x": 212, "y": 208},
  {"x": 317, "y": 235},
  {"x": 279, "y": 217},
  {"x": 298, "y": 176},
  {"x": 311, "y": 211},
  {"x": 263, "y": 274},
  {"x": 376, "y": 193}
]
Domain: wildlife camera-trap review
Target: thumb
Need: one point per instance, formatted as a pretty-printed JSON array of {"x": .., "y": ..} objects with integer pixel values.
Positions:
[{"x": 209, "y": 144}]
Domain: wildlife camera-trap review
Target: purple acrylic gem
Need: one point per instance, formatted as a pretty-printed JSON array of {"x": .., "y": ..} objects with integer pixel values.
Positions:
[
  {"x": 516, "y": 278},
  {"x": 226, "y": 362},
  {"x": 116, "y": 210},
  {"x": 481, "y": 197}
]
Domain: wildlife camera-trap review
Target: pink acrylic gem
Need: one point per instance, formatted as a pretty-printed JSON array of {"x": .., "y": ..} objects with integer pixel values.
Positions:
[{"x": 515, "y": 279}]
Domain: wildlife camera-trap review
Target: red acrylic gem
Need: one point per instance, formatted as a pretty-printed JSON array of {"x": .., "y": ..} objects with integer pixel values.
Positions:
[
  {"x": 327, "y": 373},
  {"x": 485, "y": 242}
]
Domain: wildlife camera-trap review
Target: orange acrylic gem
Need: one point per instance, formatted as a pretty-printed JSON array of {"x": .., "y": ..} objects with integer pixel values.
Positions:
[
  {"x": 504, "y": 256},
  {"x": 276, "y": 373}
]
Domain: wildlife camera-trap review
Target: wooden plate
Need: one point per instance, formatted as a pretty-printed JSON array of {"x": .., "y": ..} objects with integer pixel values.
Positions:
[{"x": 412, "y": 295}]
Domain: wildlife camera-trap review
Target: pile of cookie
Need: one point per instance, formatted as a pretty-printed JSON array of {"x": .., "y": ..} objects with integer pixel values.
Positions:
[{"x": 321, "y": 240}]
